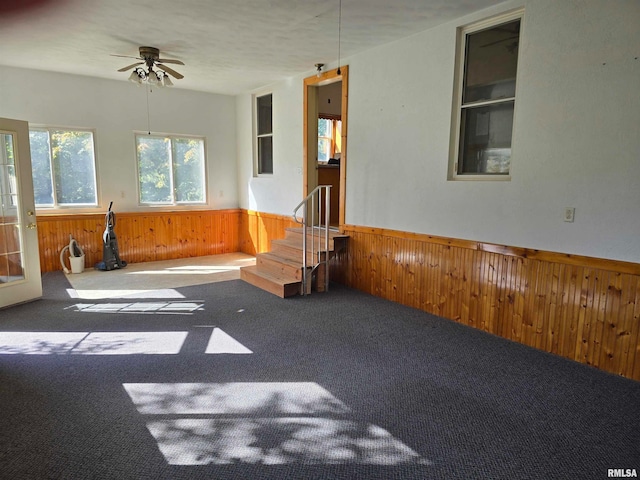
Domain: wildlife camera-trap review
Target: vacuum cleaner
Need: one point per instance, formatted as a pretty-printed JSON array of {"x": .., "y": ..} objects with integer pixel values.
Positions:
[{"x": 110, "y": 254}]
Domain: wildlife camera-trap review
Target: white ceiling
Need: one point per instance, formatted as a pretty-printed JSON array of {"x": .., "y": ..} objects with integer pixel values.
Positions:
[{"x": 228, "y": 46}]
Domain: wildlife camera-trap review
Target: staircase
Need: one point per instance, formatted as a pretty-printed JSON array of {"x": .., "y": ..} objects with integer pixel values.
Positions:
[
  {"x": 299, "y": 263},
  {"x": 280, "y": 271}
]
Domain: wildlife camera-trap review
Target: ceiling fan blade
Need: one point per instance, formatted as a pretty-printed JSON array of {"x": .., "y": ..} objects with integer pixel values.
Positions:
[
  {"x": 123, "y": 56},
  {"x": 166, "y": 60},
  {"x": 124, "y": 69},
  {"x": 171, "y": 72}
]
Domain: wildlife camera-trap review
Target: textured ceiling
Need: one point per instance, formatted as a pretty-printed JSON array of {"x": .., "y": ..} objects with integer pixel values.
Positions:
[{"x": 228, "y": 46}]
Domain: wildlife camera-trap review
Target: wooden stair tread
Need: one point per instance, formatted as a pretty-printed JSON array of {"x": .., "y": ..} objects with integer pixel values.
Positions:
[
  {"x": 297, "y": 244},
  {"x": 279, "y": 258},
  {"x": 332, "y": 233},
  {"x": 278, "y": 284},
  {"x": 277, "y": 278}
]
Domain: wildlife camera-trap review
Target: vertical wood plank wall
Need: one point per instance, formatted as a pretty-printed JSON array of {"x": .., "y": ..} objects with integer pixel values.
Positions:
[
  {"x": 142, "y": 237},
  {"x": 584, "y": 309},
  {"x": 152, "y": 236},
  {"x": 257, "y": 229},
  {"x": 581, "y": 308}
]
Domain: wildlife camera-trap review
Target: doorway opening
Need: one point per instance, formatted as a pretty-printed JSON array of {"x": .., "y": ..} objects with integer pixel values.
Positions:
[{"x": 325, "y": 137}]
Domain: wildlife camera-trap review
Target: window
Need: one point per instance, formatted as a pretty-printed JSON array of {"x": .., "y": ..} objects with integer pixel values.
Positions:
[
  {"x": 64, "y": 167},
  {"x": 264, "y": 134},
  {"x": 485, "y": 99},
  {"x": 329, "y": 138},
  {"x": 171, "y": 169}
]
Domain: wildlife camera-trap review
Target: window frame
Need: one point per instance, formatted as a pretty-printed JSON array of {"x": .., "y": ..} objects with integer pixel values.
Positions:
[
  {"x": 173, "y": 203},
  {"x": 459, "y": 84},
  {"x": 257, "y": 160},
  {"x": 68, "y": 206}
]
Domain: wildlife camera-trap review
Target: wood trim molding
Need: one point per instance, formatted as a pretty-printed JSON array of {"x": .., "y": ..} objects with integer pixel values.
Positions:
[{"x": 313, "y": 81}]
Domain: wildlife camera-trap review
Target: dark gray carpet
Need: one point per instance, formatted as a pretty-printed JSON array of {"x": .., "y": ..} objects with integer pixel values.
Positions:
[{"x": 412, "y": 396}]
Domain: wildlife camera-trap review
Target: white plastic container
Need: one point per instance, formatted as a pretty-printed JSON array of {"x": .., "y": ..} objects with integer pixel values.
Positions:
[{"x": 77, "y": 264}]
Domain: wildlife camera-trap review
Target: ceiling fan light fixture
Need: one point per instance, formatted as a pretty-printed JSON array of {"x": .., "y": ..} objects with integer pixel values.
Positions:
[
  {"x": 138, "y": 76},
  {"x": 150, "y": 58}
]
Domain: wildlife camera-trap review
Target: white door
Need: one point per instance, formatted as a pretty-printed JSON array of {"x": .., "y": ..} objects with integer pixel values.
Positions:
[{"x": 20, "y": 279}]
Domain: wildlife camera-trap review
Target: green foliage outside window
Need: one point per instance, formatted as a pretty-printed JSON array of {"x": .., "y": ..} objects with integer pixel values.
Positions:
[
  {"x": 63, "y": 167},
  {"x": 170, "y": 169}
]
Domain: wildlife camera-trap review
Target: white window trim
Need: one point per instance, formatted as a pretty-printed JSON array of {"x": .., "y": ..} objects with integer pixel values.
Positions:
[
  {"x": 254, "y": 113},
  {"x": 171, "y": 205},
  {"x": 69, "y": 208},
  {"x": 454, "y": 146}
]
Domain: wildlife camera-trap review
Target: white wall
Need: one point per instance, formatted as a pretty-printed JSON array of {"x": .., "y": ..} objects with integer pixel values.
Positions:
[
  {"x": 281, "y": 192},
  {"x": 576, "y": 136},
  {"x": 115, "y": 110},
  {"x": 330, "y": 99}
]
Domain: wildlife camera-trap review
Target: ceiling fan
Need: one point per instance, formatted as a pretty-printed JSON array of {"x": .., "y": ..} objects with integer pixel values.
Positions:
[{"x": 150, "y": 57}]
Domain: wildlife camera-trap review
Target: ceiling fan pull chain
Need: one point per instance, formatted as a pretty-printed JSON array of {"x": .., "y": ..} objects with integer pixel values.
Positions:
[{"x": 148, "y": 116}]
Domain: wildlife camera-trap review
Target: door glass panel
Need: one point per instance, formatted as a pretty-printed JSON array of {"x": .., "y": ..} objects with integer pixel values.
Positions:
[{"x": 11, "y": 261}]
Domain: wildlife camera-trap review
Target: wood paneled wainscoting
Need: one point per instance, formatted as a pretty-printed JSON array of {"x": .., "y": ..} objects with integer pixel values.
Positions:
[
  {"x": 151, "y": 236},
  {"x": 258, "y": 229},
  {"x": 142, "y": 236},
  {"x": 581, "y": 308}
]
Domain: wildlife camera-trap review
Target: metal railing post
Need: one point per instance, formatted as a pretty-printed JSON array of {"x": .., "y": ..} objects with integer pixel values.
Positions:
[
  {"x": 327, "y": 206},
  {"x": 304, "y": 251},
  {"x": 310, "y": 204}
]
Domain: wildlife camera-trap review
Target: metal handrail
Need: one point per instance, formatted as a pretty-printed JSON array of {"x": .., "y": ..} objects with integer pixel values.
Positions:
[{"x": 311, "y": 205}]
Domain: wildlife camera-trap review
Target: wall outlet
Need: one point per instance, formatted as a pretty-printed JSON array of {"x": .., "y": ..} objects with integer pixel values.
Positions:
[{"x": 569, "y": 214}]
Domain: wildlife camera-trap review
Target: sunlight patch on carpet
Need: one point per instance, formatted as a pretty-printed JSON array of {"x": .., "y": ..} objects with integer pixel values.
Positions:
[
  {"x": 220, "y": 342},
  {"x": 131, "y": 343},
  {"x": 91, "y": 343},
  {"x": 269, "y": 423},
  {"x": 173, "y": 308},
  {"x": 189, "y": 270},
  {"x": 277, "y": 441},
  {"x": 39, "y": 343},
  {"x": 236, "y": 398},
  {"x": 101, "y": 294}
]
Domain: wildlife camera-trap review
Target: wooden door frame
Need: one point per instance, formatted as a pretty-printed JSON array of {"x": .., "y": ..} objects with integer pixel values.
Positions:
[{"x": 310, "y": 114}]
